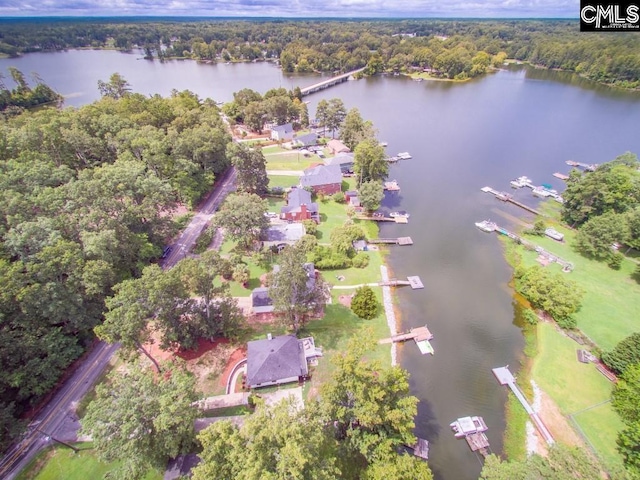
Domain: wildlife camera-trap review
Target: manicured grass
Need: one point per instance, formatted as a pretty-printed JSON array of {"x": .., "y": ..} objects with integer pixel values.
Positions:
[
  {"x": 357, "y": 276},
  {"x": 575, "y": 386},
  {"x": 63, "y": 463},
  {"x": 291, "y": 160},
  {"x": 283, "y": 181},
  {"x": 515, "y": 448},
  {"x": 332, "y": 215},
  {"x": 611, "y": 304}
]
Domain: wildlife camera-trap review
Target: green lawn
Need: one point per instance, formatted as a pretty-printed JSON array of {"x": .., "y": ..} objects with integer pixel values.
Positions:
[
  {"x": 283, "y": 181},
  {"x": 290, "y": 160},
  {"x": 611, "y": 304},
  {"x": 575, "y": 386},
  {"x": 62, "y": 463}
]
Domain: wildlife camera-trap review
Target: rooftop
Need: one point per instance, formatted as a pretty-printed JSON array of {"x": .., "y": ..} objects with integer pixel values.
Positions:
[
  {"x": 276, "y": 359},
  {"x": 321, "y": 175}
]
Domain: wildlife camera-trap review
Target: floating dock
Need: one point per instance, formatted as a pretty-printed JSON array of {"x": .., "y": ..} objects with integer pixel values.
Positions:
[
  {"x": 385, "y": 219},
  {"x": 398, "y": 157},
  {"x": 391, "y": 186},
  {"x": 505, "y": 377},
  {"x": 505, "y": 197},
  {"x": 420, "y": 335},
  {"x": 561, "y": 176},
  {"x": 420, "y": 448},
  {"x": 478, "y": 442},
  {"x": 393, "y": 241},
  {"x": 589, "y": 167},
  {"x": 414, "y": 282}
]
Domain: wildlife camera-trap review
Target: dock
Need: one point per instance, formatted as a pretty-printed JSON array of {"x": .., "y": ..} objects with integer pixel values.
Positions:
[
  {"x": 505, "y": 197},
  {"x": 398, "y": 157},
  {"x": 330, "y": 82},
  {"x": 478, "y": 442},
  {"x": 384, "y": 219},
  {"x": 488, "y": 226},
  {"x": 420, "y": 448},
  {"x": 393, "y": 241},
  {"x": 589, "y": 167},
  {"x": 391, "y": 186},
  {"x": 420, "y": 335},
  {"x": 505, "y": 377},
  {"x": 561, "y": 176},
  {"x": 414, "y": 282}
]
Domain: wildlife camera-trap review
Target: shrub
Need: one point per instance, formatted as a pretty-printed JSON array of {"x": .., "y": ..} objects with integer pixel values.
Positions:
[
  {"x": 625, "y": 353},
  {"x": 326, "y": 258},
  {"x": 310, "y": 227},
  {"x": 364, "y": 303},
  {"x": 338, "y": 197},
  {"x": 615, "y": 260},
  {"x": 361, "y": 260},
  {"x": 204, "y": 240},
  {"x": 530, "y": 317}
]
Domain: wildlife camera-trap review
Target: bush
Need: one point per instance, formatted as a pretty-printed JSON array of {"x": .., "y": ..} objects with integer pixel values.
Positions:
[
  {"x": 364, "y": 303},
  {"x": 615, "y": 260},
  {"x": 310, "y": 226},
  {"x": 625, "y": 353},
  {"x": 530, "y": 317},
  {"x": 326, "y": 258},
  {"x": 307, "y": 243},
  {"x": 538, "y": 228},
  {"x": 338, "y": 197},
  {"x": 361, "y": 260}
]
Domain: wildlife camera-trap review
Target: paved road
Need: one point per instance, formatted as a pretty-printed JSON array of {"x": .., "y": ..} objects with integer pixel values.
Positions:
[{"x": 57, "y": 421}]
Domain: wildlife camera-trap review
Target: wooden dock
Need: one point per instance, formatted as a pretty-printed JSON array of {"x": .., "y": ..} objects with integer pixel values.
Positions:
[
  {"x": 391, "y": 186},
  {"x": 504, "y": 377},
  {"x": 561, "y": 176},
  {"x": 589, "y": 167},
  {"x": 384, "y": 219},
  {"x": 420, "y": 448},
  {"x": 393, "y": 241},
  {"x": 505, "y": 197},
  {"x": 420, "y": 335},
  {"x": 478, "y": 442}
]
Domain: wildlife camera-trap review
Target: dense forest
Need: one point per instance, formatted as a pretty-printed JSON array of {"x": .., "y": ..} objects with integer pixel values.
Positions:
[
  {"x": 449, "y": 48},
  {"x": 87, "y": 196}
]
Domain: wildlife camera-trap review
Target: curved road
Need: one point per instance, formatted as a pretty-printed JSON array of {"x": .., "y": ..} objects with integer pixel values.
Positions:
[{"x": 57, "y": 421}]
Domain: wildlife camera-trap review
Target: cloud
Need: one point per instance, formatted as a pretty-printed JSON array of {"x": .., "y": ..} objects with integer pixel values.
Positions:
[{"x": 294, "y": 8}]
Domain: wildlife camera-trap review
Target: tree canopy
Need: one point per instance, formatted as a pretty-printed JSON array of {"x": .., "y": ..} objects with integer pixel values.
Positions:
[
  {"x": 624, "y": 354},
  {"x": 626, "y": 402},
  {"x": 142, "y": 419},
  {"x": 369, "y": 162},
  {"x": 251, "y": 169},
  {"x": 242, "y": 215}
]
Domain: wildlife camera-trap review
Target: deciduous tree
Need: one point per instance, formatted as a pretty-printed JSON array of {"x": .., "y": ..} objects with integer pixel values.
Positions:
[
  {"x": 364, "y": 303},
  {"x": 371, "y": 194},
  {"x": 369, "y": 162},
  {"x": 354, "y": 129},
  {"x": 624, "y": 354},
  {"x": 242, "y": 217},
  {"x": 251, "y": 169}
]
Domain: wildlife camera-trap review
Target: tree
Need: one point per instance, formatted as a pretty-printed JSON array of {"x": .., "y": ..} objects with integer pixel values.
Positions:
[
  {"x": 369, "y": 406},
  {"x": 251, "y": 169},
  {"x": 371, "y": 194},
  {"x": 538, "y": 229},
  {"x": 342, "y": 238},
  {"x": 241, "y": 273},
  {"x": 596, "y": 236},
  {"x": 364, "y": 303},
  {"x": 295, "y": 289},
  {"x": 551, "y": 292},
  {"x": 142, "y": 419},
  {"x": 242, "y": 217},
  {"x": 625, "y": 400},
  {"x": 624, "y": 354},
  {"x": 280, "y": 443},
  {"x": 116, "y": 88},
  {"x": 354, "y": 129},
  {"x": 330, "y": 114},
  {"x": 398, "y": 466},
  {"x": 369, "y": 162},
  {"x": 562, "y": 463}
]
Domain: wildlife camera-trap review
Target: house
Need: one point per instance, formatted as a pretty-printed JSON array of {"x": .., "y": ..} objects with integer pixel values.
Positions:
[
  {"x": 279, "y": 360},
  {"x": 326, "y": 179},
  {"x": 344, "y": 160},
  {"x": 299, "y": 207},
  {"x": 282, "y": 132},
  {"x": 306, "y": 140},
  {"x": 260, "y": 301},
  {"x": 282, "y": 235},
  {"x": 336, "y": 147}
]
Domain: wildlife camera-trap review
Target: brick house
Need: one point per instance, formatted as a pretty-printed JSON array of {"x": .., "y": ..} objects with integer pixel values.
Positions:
[
  {"x": 325, "y": 179},
  {"x": 299, "y": 207}
]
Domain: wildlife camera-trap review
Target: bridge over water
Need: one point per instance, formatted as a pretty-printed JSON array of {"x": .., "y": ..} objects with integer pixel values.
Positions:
[{"x": 330, "y": 82}]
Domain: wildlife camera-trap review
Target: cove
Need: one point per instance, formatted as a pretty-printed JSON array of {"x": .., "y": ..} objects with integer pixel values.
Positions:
[{"x": 462, "y": 137}]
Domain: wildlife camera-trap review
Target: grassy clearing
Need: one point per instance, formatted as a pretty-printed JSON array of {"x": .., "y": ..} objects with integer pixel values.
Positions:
[
  {"x": 515, "y": 448},
  {"x": 611, "y": 304},
  {"x": 228, "y": 411},
  {"x": 283, "y": 181},
  {"x": 291, "y": 161},
  {"x": 61, "y": 462},
  {"x": 575, "y": 386}
]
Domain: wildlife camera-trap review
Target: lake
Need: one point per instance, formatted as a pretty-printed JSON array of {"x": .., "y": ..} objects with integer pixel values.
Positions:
[{"x": 462, "y": 137}]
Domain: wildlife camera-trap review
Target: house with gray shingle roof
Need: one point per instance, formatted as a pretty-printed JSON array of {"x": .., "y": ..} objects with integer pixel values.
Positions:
[
  {"x": 326, "y": 179},
  {"x": 336, "y": 146},
  {"x": 344, "y": 160},
  {"x": 282, "y": 132},
  {"x": 306, "y": 140},
  {"x": 299, "y": 207},
  {"x": 276, "y": 360}
]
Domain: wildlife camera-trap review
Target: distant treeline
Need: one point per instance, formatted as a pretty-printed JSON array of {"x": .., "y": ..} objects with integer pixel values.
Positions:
[{"x": 449, "y": 48}]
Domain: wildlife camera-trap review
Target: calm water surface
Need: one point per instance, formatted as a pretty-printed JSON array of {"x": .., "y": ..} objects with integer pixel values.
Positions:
[{"x": 462, "y": 137}]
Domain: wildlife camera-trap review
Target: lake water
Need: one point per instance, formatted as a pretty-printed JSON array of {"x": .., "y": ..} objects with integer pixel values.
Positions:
[{"x": 462, "y": 137}]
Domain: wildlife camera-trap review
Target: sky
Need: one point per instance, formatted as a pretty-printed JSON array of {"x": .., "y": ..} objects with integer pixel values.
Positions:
[{"x": 295, "y": 8}]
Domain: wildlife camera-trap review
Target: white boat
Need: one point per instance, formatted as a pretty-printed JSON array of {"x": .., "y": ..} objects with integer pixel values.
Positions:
[
  {"x": 541, "y": 192},
  {"x": 404, "y": 155},
  {"x": 553, "y": 233},
  {"x": 468, "y": 425},
  {"x": 486, "y": 226},
  {"x": 520, "y": 182},
  {"x": 400, "y": 214}
]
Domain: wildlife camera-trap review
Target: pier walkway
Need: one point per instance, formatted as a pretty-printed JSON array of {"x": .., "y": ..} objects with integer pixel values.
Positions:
[
  {"x": 392, "y": 241},
  {"x": 504, "y": 376},
  {"x": 330, "y": 82},
  {"x": 505, "y": 197}
]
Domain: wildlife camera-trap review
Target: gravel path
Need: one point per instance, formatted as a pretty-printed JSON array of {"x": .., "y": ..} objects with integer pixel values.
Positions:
[{"x": 390, "y": 314}]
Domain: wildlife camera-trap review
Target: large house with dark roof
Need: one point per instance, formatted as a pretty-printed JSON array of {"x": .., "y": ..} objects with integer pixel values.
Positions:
[
  {"x": 343, "y": 160},
  {"x": 299, "y": 207},
  {"x": 282, "y": 132},
  {"x": 282, "y": 235},
  {"x": 326, "y": 179},
  {"x": 279, "y": 360}
]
